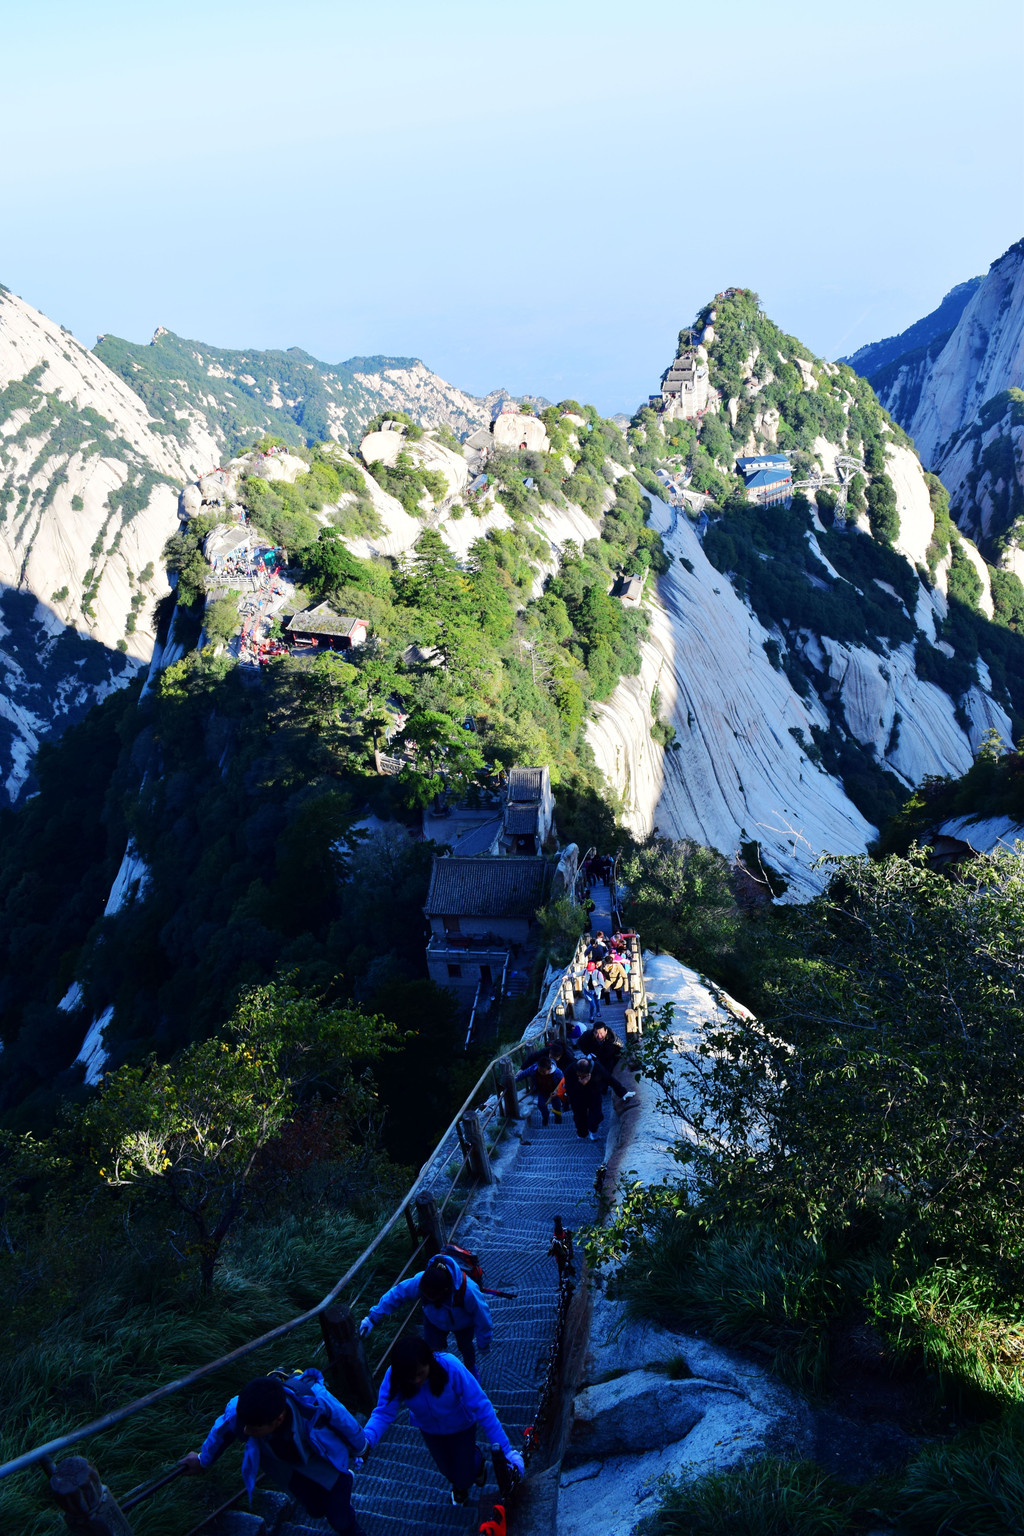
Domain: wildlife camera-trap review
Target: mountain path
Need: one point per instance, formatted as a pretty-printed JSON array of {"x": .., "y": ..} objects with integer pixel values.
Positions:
[{"x": 510, "y": 1225}]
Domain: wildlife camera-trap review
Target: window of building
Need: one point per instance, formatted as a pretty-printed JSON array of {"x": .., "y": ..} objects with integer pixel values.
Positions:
[{"x": 454, "y": 970}]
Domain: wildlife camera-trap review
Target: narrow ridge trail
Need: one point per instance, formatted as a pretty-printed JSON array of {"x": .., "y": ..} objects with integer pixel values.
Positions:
[{"x": 550, "y": 1173}]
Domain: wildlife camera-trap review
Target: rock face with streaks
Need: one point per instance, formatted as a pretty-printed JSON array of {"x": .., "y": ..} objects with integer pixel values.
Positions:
[
  {"x": 88, "y": 496},
  {"x": 983, "y": 356},
  {"x": 743, "y": 766},
  {"x": 739, "y": 769},
  {"x": 954, "y": 381}
]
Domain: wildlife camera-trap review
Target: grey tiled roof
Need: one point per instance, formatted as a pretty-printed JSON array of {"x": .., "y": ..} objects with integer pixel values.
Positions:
[
  {"x": 479, "y": 839},
  {"x": 522, "y": 818},
  {"x": 322, "y": 620},
  {"x": 525, "y": 783},
  {"x": 485, "y": 887}
]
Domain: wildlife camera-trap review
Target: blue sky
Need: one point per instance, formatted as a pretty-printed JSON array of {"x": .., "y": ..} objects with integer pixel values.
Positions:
[{"x": 535, "y": 195}]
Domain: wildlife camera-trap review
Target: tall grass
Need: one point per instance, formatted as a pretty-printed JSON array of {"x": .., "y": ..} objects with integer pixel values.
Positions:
[
  {"x": 750, "y": 1286},
  {"x": 765, "y": 1498},
  {"x": 138, "y": 1329},
  {"x": 756, "y": 1284},
  {"x": 972, "y": 1487},
  {"x": 947, "y": 1320}
]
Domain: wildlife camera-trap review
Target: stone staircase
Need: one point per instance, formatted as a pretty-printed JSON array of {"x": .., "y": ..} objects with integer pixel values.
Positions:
[{"x": 542, "y": 1173}]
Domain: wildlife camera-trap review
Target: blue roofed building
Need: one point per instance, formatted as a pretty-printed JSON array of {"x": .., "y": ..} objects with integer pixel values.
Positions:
[{"x": 768, "y": 477}]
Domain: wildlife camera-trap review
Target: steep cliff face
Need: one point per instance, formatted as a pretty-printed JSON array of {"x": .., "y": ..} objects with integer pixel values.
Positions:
[
  {"x": 958, "y": 394},
  {"x": 984, "y": 355},
  {"x": 752, "y": 758},
  {"x": 983, "y": 470},
  {"x": 813, "y": 666},
  {"x": 88, "y": 495},
  {"x": 931, "y": 333}
]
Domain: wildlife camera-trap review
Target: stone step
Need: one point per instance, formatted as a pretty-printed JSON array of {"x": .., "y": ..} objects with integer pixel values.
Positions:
[
  {"x": 239, "y": 1522},
  {"x": 272, "y": 1506}
]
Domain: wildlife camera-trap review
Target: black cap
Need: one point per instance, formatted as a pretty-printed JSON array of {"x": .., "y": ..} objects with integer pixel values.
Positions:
[{"x": 261, "y": 1401}]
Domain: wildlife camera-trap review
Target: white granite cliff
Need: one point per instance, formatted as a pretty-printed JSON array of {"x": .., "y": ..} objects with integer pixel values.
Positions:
[
  {"x": 740, "y": 768},
  {"x": 88, "y": 497},
  {"x": 984, "y": 355}
]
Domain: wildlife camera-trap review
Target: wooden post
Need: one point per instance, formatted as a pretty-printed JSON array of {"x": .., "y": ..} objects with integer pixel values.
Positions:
[
  {"x": 429, "y": 1223},
  {"x": 479, "y": 1161},
  {"x": 558, "y": 1020},
  {"x": 346, "y": 1358},
  {"x": 87, "y": 1506},
  {"x": 568, "y": 999},
  {"x": 509, "y": 1096}
]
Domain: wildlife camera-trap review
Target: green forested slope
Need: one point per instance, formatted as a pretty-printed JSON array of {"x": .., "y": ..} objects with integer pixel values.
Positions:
[
  {"x": 241, "y": 793},
  {"x": 241, "y": 394}
]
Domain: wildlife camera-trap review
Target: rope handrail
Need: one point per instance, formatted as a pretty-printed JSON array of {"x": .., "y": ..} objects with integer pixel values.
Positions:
[
  {"x": 489, "y": 1089},
  {"x": 427, "y": 1174}
]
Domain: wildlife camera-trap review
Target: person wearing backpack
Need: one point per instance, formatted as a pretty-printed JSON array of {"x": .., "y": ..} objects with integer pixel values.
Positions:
[
  {"x": 447, "y": 1405},
  {"x": 452, "y": 1303},
  {"x": 298, "y": 1437}
]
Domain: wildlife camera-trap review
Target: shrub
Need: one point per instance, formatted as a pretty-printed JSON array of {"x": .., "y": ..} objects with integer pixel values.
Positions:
[
  {"x": 222, "y": 619},
  {"x": 882, "y": 513},
  {"x": 1007, "y": 598},
  {"x": 964, "y": 582}
]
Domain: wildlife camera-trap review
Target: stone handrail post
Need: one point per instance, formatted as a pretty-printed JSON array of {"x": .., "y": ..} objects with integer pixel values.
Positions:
[
  {"x": 346, "y": 1358},
  {"x": 87, "y": 1506},
  {"x": 509, "y": 1095},
  {"x": 430, "y": 1223},
  {"x": 476, "y": 1147}
]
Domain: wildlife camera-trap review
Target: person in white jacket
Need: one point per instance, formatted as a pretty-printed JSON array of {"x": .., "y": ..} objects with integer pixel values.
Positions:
[{"x": 447, "y": 1405}]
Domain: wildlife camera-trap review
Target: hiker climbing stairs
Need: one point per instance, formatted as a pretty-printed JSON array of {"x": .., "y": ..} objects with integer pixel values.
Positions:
[
  {"x": 400, "y": 1492},
  {"x": 499, "y": 1182}
]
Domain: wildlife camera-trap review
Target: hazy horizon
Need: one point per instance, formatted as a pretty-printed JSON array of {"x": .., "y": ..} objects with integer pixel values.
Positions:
[{"x": 534, "y": 200}]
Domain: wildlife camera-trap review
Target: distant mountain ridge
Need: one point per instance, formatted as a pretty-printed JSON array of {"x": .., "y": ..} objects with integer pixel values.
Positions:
[
  {"x": 237, "y": 395},
  {"x": 874, "y": 356},
  {"x": 958, "y": 394}
]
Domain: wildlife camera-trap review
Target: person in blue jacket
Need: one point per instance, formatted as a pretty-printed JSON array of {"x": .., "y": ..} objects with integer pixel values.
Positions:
[
  {"x": 452, "y": 1303},
  {"x": 447, "y": 1405},
  {"x": 299, "y": 1437}
]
